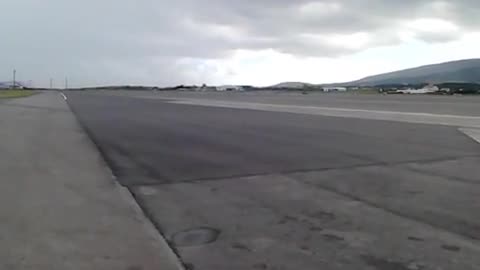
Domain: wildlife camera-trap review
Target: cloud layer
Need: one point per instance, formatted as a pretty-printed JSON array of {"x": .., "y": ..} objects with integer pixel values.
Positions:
[{"x": 169, "y": 42}]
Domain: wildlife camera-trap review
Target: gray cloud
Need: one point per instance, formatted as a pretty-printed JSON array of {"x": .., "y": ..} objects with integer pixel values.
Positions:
[
  {"x": 146, "y": 41},
  {"x": 434, "y": 37}
]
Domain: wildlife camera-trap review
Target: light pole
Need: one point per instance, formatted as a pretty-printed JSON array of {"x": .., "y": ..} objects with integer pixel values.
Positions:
[{"x": 14, "y": 82}]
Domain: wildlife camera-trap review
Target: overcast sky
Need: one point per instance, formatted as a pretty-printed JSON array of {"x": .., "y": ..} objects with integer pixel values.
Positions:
[{"x": 263, "y": 42}]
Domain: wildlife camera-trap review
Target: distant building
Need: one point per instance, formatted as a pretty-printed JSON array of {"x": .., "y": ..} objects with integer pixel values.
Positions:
[
  {"x": 206, "y": 88},
  {"x": 9, "y": 85},
  {"x": 334, "y": 89},
  {"x": 230, "y": 88}
]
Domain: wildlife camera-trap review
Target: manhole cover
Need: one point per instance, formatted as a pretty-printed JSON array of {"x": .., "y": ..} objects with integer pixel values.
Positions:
[{"x": 195, "y": 237}]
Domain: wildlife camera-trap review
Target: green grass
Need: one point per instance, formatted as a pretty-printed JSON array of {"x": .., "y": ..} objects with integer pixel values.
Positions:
[{"x": 15, "y": 93}]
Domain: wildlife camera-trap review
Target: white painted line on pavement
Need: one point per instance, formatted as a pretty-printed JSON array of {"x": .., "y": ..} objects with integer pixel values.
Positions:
[
  {"x": 251, "y": 104},
  {"x": 63, "y": 95},
  {"x": 409, "y": 117},
  {"x": 472, "y": 133}
]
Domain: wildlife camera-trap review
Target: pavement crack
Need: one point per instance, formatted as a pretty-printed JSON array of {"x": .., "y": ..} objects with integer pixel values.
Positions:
[
  {"x": 449, "y": 178},
  {"x": 289, "y": 172},
  {"x": 353, "y": 197}
]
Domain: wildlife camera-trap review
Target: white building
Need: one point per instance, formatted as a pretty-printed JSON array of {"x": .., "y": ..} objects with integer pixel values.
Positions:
[{"x": 230, "y": 88}]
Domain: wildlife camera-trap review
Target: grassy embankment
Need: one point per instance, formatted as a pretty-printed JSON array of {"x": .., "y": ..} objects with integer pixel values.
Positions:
[{"x": 15, "y": 93}]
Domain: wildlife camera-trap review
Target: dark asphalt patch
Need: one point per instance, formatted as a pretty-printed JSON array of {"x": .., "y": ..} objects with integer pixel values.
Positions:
[{"x": 153, "y": 142}]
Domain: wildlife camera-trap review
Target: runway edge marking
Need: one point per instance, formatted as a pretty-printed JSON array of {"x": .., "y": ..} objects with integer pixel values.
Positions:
[
  {"x": 396, "y": 116},
  {"x": 473, "y": 133}
]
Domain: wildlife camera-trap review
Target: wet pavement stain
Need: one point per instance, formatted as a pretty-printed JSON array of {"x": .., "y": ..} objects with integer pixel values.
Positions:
[
  {"x": 241, "y": 246},
  {"x": 451, "y": 248},
  {"x": 260, "y": 266},
  {"x": 195, "y": 237},
  {"x": 322, "y": 215},
  {"x": 332, "y": 237},
  {"x": 417, "y": 239},
  {"x": 189, "y": 266},
  {"x": 316, "y": 229},
  {"x": 383, "y": 264},
  {"x": 286, "y": 219},
  {"x": 304, "y": 247}
]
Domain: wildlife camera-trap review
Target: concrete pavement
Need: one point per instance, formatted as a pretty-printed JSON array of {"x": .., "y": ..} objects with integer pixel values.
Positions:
[
  {"x": 243, "y": 188},
  {"x": 60, "y": 208}
]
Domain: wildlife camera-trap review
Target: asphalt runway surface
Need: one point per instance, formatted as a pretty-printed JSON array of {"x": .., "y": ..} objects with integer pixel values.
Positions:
[
  {"x": 456, "y": 105},
  {"x": 234, "y": 188}
]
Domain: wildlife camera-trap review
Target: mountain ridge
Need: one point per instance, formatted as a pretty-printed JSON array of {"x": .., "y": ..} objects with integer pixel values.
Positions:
[{"x": 465, "y": 71}]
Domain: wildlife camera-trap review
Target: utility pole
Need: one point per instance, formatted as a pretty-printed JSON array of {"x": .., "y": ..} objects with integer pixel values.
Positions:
[
  {"x": 14, "y": 79},
  {"x": 51, "y": 83},
  {"x": 66, "y": 83}
]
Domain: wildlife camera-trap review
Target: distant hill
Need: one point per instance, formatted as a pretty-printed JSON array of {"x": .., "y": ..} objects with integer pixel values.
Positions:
[
  {"x": 291, "y": 85},
  {"x": 456, "y": 71}
]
